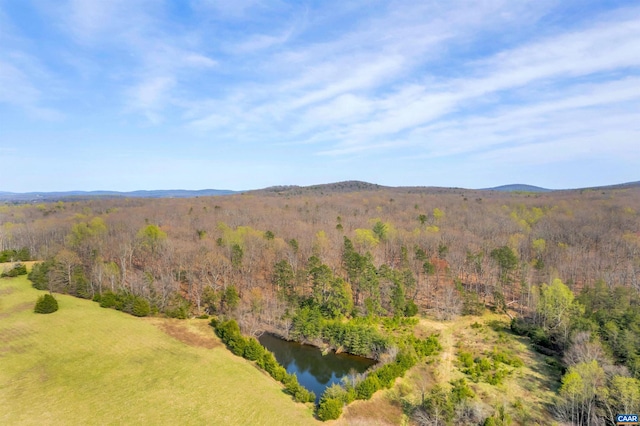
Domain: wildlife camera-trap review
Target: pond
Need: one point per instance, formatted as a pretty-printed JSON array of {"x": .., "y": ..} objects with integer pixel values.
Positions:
[{"x": 314, "y": 370}]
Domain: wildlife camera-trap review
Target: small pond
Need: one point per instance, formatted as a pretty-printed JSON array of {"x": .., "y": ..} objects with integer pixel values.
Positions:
[{"x": 314, "y": 370}]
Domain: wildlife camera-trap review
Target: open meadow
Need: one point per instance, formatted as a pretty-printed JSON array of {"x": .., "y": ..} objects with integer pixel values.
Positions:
[{"x": 88, "y": 365}]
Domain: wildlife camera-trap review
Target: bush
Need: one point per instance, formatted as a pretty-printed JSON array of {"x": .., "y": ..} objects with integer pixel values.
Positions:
[
  {"x": 466, "y": 359},
  {"x": 336, "y": 391},
  {"x": 425, "y": 347},
  {"x": 125, "y": 302},
  {"x": 39, "y": 275},
  {"x": 18, "y": 269},
  {"x": 295, "y": 389},
  {"x": 178, "y": 307},
  {"x": 108, "y": 300},
  {"x": 15, "y": 255},
  {"x": 366, "y": 388},
  {"x": 410, "y": 309},
  {"x": 460, "y": 391},
  {"x": 507, "y": 358},
  {"x": 538, "y": 335},
  {"x": 141, "y": 307},
  {"x": 46, "y": 304},
  {"x": 329, "y": 409},
  {"x": 271, "y": 366},
  {"x": 405, "y": 361},
  {"x": 387, "y": 374},
  {"x": 253, "y": 350}
]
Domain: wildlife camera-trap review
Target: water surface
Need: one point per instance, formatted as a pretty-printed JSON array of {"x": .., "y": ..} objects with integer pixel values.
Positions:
[{"x": 314, "y": 370}]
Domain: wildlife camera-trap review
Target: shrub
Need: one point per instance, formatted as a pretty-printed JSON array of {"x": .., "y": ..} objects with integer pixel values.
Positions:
[
  {"x": 410, "y": 309},
  {"x": 476, "y": 325},
  {"x": 425, "y": 347},
  {"x": 329, "y": 409},
  {"x": 237, "y": 344},
  {"x": 304, "y": 395},
  {"x": 387, "y": 374},
  {"x": 271, "y": 366},
  {"x": 506, "y": 358},
  {"x": 178, "y": 307},
  {"x": 46, "y": 304},
  {"x": 405, "y": 361},
  {"x": 18, "y": 269},
  {"x": 39, "y": 275},
  {"x": 336, "y": 391},
  {"x": 466, "y": 359},
  {"x": 15, "y": 255},
  {"x": 366, "y": 388},
  {"x": 483, "y": 364},
  {"x": 180, "y": 312},
  {"x": 141, "y": 307},
  {"x": 108, "y": 300},
  {"x": 461, "y": 391},
  {"x": 279, "y": 373},
  {"x": 253, "y": 350},
  {"x": 295, "y": 389}
]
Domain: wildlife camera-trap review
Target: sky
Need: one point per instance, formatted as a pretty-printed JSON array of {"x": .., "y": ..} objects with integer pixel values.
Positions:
[{"x": 245, "y": 94}]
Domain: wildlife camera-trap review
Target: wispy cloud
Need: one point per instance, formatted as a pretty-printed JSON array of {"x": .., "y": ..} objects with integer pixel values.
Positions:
[
  {"x": 537, "y": 82},
  {"x": 149, "y": 97}
]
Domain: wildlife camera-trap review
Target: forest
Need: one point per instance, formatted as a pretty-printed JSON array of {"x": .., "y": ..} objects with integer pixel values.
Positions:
[{"x": 349, "y": 266}]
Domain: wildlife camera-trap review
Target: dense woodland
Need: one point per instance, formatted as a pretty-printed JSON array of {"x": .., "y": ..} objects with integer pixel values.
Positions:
[{"x": 320, "y": 264}]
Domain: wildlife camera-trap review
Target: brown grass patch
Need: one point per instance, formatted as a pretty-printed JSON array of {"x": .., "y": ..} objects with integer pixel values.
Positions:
[
  {"x": 26, "y": 306},
  {"x": 5, "y": 291},
  {"x": 192, "y": 333},
  {"x": 379, "y": 410}
]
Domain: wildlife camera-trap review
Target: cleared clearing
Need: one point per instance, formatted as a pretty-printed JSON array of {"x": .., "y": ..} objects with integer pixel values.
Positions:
[
  {"x": 88, "y": 365},
  {"x": 525, "y": 393}
]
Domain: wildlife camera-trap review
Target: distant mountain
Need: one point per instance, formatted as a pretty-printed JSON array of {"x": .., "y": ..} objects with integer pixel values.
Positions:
[
  {"x": 291, "y": 190},
  {"x": 346, "y": 186},
  {"x": 617, "y": 186},
  {"x": 81, "y": 195},
  {"x": 518, "y": 187}
]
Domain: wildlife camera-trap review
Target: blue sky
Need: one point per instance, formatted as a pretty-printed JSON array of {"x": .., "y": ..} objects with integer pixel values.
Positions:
[{"x": 243, "y": 94}]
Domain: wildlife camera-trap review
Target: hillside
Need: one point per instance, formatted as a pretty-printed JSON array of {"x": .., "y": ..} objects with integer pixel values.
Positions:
[
  {"x": 524, "y": 393},
  {"x": 518, "y": 187},
  {"x": 89, "y": 365},
  {"x": 327, "y": 188},
  {"x": 80, "y": 362},
  {"x": 344, "y": 187}
]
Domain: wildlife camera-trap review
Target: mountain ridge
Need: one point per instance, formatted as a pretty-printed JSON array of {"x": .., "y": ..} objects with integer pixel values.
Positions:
[
  {"x": 80, "y": 195},
  {"x": 334, "y": 187},
  {"x": 518, "y": 187}
]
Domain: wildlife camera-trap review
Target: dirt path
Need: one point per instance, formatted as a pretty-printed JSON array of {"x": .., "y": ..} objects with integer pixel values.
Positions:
[{"x": 447, "y": 341}]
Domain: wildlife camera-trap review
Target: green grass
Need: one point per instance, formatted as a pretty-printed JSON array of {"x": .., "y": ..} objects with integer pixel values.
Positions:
[{"x": 88, "y": 365}]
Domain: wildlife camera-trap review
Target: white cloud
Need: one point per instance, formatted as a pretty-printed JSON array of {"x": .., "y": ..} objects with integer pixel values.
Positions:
[
  {"x": 22, "y": 84},
  {"x": 150, "y": 96},
  {"x": 229, "y": 9},
  {"x": 434, "y": 79},
  {"x": 550, "y": 63}
]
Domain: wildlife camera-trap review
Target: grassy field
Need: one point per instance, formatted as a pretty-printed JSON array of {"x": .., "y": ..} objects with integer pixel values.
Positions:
[{"x": 88, "y": 365}]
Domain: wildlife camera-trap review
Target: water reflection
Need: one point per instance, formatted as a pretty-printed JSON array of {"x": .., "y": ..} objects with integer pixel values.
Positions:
[{"x": 314, "y": 370}]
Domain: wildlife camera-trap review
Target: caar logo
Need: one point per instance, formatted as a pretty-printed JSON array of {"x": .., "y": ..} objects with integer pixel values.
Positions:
[{"x": 627, "y": 419}]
